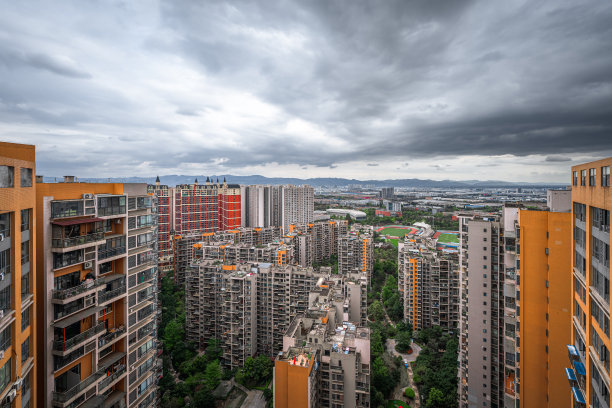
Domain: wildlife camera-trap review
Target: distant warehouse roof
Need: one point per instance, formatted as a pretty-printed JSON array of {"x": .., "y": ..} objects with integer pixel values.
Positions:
[{"x": 356, "y": 215}]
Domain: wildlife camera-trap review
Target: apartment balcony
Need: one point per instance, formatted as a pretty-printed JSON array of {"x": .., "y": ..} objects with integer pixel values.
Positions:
[
  {"x": 110, "y": 253},
  {"x": 63, "y": 296},
  {"x": 113, "y": 333},
  {"x": 112, "y": 379},
  {"x": 78, "y": 310},
  {"x": 65, "y": 347},
  {"x": 79, "y": 242},
  {"x": 111, "y": 295},
  {"x": 63, "y": 399}
]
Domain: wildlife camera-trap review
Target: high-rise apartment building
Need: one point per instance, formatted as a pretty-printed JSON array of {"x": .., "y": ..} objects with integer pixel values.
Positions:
[
  {"x": 589, "y": 351},
  {"x": 428, "y": 281},
  {"x": 229, "y": 206},
  {"x": 165, "y": 217},
  {"x": 515, "y": 318},
  {"x": 18, "y": 334},
  {"x": 387, "y": 192},
  {"x": 97, "y": 314},
  {"x": 196, "y": 208},
  {"x": 325, "y": 360},
  {"x": 249, "y": 305},
  {"x": 281, "y": 206},
  {"x": 356, "y": 253}
]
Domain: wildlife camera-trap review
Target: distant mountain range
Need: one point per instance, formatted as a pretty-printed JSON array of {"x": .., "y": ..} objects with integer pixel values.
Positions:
[{"x": 173, "y": 180}]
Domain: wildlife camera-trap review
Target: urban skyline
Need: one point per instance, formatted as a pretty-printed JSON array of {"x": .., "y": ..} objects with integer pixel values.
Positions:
[{"x": 425, "y": 90}]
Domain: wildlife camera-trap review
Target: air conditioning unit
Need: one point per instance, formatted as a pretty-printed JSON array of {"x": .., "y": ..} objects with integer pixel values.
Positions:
[
  {"x": 88, "y": 196},
  {"x": 10, "y": 396},
  {"x": 88, "y": 265},
  {"x": 118, "y": 221},
  {"x": 18, "y": 383}
]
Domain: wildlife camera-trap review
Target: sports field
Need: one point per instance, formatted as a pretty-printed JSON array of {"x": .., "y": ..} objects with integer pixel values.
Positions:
[
  {"x": 448, "y": 238},
  {"x": 396, "y": 231}
]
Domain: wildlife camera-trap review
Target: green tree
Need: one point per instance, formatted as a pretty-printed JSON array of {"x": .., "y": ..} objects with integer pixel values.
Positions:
[
  {"x": 212, "y": 376},
  {"x": 203, "y": 398},
  {"x": 435, "y": 399},
  {"x": 404, "y": 342},
  {"x": 376, "y": 312}
]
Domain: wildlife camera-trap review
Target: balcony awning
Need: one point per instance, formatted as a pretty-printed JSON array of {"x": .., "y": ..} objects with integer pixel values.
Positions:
[
  {"x": 580, "y": 369},
  {"x": 77, "y": 317},
  {"x": 578, "y": 397},
  {"x": 570, "y": 374},
  {"x": 110, "y": 359},
  {"x": 572, "y": 350},
  {"x": 75, "y": 221},
  {"x": 110, "y": 277}
]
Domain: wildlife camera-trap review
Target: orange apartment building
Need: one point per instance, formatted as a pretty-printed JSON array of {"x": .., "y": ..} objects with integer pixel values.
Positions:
[
  {"x": 18, "y": 362},
  {"x": 229, "y": 206},
  {"x": 589, "y": 350},
  {"x": 98, "y": 276}
]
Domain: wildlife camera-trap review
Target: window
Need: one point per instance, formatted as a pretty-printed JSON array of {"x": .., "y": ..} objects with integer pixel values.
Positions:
[
  {"x": 25, "y": 284},
  {"x": 5, "y": 261},
  {"x": 575, "y": 178},
  {"x": 583, "y": 177},
  {"x": 25, "y": 350},
  {"x": 5, "y": 339},
  {"x": 25, "y": 318},
  {"x": 25, "y": 252},
  {"x": 5, "y": 374},
  {"x": 5, "y": 225},
  {"x": 66, "y": 208},
  {"x": 5, "y": 298},
  {"x": 592, "y": 177},
  {"x": 25, "y": 220},
  {"x": 6, "y": 176},
  {"x": 605, "y": 176},
  {"x": 26, "y": 177}
]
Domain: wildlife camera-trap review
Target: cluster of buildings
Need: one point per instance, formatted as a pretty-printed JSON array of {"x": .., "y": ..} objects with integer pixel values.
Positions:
[
  {"x": 78, "y": 289},
  {"x": 189, "y": 209},
  {"x": 257, "y": 290}
]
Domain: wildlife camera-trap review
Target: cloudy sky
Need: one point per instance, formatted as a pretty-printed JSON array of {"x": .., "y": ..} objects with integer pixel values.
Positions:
[{"x": 506, "y": 90}]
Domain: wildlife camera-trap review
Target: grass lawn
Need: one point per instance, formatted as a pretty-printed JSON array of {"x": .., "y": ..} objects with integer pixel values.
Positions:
[
  {"x": 393, "y": 242},
  {"x": 396, "y": 404},
  {"x": 395, "y": 232},
  {"x": 451, "y": 238}
]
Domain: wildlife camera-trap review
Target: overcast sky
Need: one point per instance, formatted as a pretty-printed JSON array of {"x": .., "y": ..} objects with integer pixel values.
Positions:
[{"x": 506, "y": 90}]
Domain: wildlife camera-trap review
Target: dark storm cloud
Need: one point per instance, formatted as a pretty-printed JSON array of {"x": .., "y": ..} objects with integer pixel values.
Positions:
[{"x": 318, "y": 83}]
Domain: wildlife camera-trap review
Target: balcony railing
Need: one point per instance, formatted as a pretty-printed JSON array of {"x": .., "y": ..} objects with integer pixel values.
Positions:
[
  {"x": 76, "y": 241},
  {"x": 107, "y": 253},
  {"x": 79, "y": 338},
  {"x": 110, "y": 336},
  {"x": 63, "y": 397},
  {"x": 62, "y": 294},
  {"x": 108, "y": 380},
  {"x": 105, "y": 296}
]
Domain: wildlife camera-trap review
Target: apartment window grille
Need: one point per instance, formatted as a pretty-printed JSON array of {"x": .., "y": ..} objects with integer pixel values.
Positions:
[
  {"x": 25, "y": 176},
  {"x": 25, "y": 318},
  {"x": 25, "y": 220},
  {"x": 592, "y": 177},
  {"x": 7, "y": 174},
  {"x": 25, "y": 252},
  {"x": 605, "y": 176},
  {"x": 25, "y": 350},
  {"x": 5, "y": 374},
  {"x": 601, "y": 219},
  {"x": 5, "y": 261},
  {"x": 5, "y": 298},
  {"x": 5, "y": 338},
  {"x": 583, "y": 177},
  {"x": 25, "y": 284}
]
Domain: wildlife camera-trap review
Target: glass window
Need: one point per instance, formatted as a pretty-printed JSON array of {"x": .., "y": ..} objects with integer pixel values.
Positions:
[
  {"x": 25, "y": 252},
  {"x": 605, "y": 176},
  {"x": 592, "y": 177},
  {"x": 575, "y": 178},
  {"x": 5, "y": 374},
  {"x": 66, "y": 208},
  {"x": 25, "y": 350},
  {"x": 25, "y": 318},
  {"x": 26, "y": 177},
  {"x": 5, "y": 261},
  {"x": 6, "y": 176},
  {"x": 583, "y": 177},
  {"x": 25, "y": 220},
  {"x": 25, "y": 284},
  {"x": 5, "y": 339},
  {"x": 5, "y": 225},
  {"x": 5, "y": 298}
]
